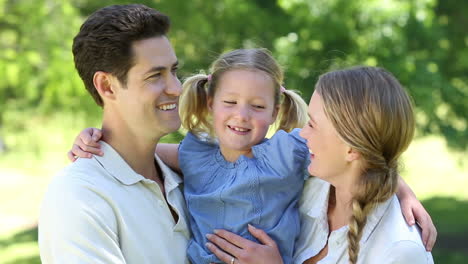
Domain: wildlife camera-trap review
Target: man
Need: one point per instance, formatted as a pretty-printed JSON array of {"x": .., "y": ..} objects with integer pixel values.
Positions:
[{"x": 126, "y": 206}]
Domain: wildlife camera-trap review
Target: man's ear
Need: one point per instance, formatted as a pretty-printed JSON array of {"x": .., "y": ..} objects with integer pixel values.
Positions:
[
  {"x": 103, "y": 83},
  {"x": 352, "y": 155}
]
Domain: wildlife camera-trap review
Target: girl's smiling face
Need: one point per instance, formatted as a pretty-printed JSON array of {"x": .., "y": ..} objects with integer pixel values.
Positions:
[{"x": 243, "y": 108}]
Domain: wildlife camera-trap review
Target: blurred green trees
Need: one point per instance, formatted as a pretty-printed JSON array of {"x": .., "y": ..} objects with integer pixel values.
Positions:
[{"x": 423, "y": 42}]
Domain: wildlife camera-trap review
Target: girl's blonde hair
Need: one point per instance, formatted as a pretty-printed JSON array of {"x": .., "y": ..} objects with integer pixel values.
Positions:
[
  {"x": 373, "y": 114},
  {"x": 194, "y": 112}
]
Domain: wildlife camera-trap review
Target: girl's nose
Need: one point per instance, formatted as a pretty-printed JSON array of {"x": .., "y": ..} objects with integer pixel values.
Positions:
[{"x": 243, "y": 113}]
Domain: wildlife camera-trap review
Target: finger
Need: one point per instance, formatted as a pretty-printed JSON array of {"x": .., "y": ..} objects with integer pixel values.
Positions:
[
  {"x": 262, "y": 236},
  {"x": 225, "y": 245},
  {"x": 431, "y": 241},
  {"x": 78, "y": 152},
  {"x": 70, "y": 156},
  {"x": 85, "y": 137},
  {"x": 429, "y": 232},
  {"x": 223, "y": 256},
  {"x": 234, "y": 239},
  {"x": 408, "y": 214},
  {"x": 97, "y": 134},
  {"x": 92, "y": 150}
]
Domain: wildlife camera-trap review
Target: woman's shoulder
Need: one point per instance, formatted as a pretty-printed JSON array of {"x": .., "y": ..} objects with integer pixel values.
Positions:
[{"x": 387, "y": 234}]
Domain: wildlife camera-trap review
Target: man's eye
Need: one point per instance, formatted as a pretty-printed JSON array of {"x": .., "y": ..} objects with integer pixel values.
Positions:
[
  {"x": 157, "y": 75},
  {"x": 174, "y": 71}
]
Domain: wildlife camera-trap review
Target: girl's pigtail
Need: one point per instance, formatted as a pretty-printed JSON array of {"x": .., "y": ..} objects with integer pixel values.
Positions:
[
  {"x": 193, "y": 107},
  {"x": 292, "y": 113}
]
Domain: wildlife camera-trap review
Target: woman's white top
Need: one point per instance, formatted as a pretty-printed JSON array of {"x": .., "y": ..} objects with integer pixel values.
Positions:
[{"x": 386, "y": 237}]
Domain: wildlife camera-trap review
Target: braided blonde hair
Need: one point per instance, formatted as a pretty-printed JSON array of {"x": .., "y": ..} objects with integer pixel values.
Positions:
[
  {"x": 373, "y": 114},
  {"x": 194, "y": 112}
]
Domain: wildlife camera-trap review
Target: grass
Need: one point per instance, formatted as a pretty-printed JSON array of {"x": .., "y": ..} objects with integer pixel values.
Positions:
[{"x": 37, "y": 150}]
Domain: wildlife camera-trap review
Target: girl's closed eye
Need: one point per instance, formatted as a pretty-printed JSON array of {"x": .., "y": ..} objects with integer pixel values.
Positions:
[
  {"x": 229, "y": 102},
  {"x": 259, "y": 106}
]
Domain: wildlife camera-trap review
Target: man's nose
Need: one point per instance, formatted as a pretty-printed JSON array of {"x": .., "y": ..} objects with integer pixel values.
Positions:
[{"x": 174, "y": 86}]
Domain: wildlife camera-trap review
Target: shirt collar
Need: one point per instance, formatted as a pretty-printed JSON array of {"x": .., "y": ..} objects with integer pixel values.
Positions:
[
  {"x": 171, "y": 179},
  {"x": 318, "y": 206},
  {"x": 119, "y": 168}
]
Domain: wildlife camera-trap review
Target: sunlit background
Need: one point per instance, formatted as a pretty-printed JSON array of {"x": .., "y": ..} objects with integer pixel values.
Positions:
[{"x": 43, "y": 103}]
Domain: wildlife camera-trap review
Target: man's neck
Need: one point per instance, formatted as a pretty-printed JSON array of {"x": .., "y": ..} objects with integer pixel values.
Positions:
[{"x": 136, "y": 150}]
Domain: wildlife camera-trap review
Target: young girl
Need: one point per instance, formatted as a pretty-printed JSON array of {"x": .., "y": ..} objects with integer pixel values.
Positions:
[{"x": 233, "y": 175}]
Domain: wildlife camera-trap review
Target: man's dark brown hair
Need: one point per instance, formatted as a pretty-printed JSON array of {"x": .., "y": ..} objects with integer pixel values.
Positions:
[{"x": 105, "y": 40}]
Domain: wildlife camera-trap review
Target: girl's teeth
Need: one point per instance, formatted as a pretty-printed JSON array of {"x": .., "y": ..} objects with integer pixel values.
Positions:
[{"x": 240, "y": 129}]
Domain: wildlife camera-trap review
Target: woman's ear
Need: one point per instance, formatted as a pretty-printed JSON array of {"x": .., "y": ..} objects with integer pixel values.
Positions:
[
  {"x": 352, "y": 155},
  {"x": 103, "y": 83}
]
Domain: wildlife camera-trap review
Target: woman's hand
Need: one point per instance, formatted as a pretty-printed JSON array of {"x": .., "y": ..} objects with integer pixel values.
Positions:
[
  {"x": 86, "y": 144},
  {"x": 231, "y": 248}
]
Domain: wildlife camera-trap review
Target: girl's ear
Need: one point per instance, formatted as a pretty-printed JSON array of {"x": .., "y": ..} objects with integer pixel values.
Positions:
[
  {"x": 209, "y": 101},
  {"x": 275, "y": 113},
  {"x": 103, "y": 83}
]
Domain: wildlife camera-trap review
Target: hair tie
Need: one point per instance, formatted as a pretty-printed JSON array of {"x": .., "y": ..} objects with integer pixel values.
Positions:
[
  {"x": 282, "y": 89},
  {"x": 208, "y": 77}
]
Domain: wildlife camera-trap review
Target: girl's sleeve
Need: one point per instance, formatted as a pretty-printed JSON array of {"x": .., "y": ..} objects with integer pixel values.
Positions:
[
  {"x": 287, "y": 151},
  {"x": 193, "y": 150}
]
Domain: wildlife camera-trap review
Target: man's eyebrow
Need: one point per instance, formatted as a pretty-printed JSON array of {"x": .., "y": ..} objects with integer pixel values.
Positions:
[{"x": 161, "y": 68}]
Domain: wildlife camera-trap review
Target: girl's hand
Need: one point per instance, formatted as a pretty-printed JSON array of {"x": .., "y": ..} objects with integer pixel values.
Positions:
[
  {"x": 86, "y": 144},
  {"x": 413, "y": 209},
  {"x": 231, "y": 248}
]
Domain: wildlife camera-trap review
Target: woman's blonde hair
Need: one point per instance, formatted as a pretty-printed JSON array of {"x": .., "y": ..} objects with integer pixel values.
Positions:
[
  {"x": 194, "y": 112},
  {"x": 373, "y": 114}
]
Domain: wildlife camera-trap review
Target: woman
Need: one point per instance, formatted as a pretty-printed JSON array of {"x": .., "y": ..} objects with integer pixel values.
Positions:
[{"x": 361, "y": 121}]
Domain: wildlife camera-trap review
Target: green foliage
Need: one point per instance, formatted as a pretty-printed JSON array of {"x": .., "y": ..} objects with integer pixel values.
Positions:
[{"x": 423, "y": 42}]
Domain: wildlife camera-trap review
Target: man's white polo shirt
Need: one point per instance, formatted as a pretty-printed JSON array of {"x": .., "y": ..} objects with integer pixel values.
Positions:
[{"x": 99, "y": 210}]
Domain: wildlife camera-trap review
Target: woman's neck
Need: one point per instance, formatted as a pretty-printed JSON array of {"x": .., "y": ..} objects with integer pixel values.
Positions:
[{"x": 339, "y": 207}]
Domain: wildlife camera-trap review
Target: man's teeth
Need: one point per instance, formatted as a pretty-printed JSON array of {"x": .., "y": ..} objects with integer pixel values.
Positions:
[{"x": 167, "y": 107}]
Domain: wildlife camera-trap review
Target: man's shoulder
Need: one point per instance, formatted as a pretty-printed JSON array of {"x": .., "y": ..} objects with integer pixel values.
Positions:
[{"x": 82, "y": 174}]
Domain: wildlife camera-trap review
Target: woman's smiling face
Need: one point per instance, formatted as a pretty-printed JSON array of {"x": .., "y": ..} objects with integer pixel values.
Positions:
[{"x": 327, "y": 149}]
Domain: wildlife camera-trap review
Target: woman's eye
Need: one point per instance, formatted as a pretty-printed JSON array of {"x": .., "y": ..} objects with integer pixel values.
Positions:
[
  {"x": 259, "y": 106},
  {"x": 229, "y": 102}
]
